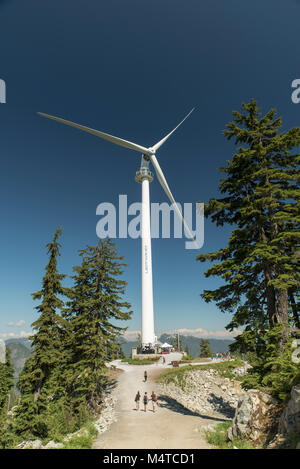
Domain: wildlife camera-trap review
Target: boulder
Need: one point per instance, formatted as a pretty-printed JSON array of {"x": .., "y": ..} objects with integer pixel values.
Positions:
[
  {"x": 242, "y": 370},
  {"x": 30, "y": 444},
  {"x": 229, "y": 434},
  {"x": 53, "y": 445},
  {"x": 290, "y": 417},
  {"x": 254, "y": 416}
]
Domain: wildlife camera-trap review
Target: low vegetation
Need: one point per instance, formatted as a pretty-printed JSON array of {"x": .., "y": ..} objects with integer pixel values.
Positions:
[
  {"x": 217, "y": 437},
  {"x": 189, "y": 359},
  {"x": 177, "y": 375},
  {"x": 84, "y": 440},
  {"x": 139, "y": 361}
]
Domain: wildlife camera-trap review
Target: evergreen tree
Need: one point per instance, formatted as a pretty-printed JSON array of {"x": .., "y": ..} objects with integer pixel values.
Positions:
[
  {"x": 205, "y": 350},
  {"x": 40, "y": 377},
  {"x": 273, "y": 366},
  {"x": 95, "y": 300},
  {"x": 6, "y": 380},
  {"x": 6, "y": 385},
  {"x": 259, "y": 266},
  {"x": 187, "y": 350}
]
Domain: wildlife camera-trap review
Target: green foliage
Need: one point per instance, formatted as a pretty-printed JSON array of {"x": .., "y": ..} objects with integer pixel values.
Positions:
[
  {"x": 6, "y": 384},
  {"x": 62, "y": 381},
  {"x": 140, "y": 361},
  {"x": 83, "y": 441},
  {"x": 273, "y": 367},
  {"x": 39, "y": 380},
  {"x": 217, "y": 437},
  {"x": 178, "y": 375},
  {"x": 94, "y": 301},
  {"x": 259, "y": 267},
  {"x": 6, "y": 380},
  {"x": 205, "y": 350}
]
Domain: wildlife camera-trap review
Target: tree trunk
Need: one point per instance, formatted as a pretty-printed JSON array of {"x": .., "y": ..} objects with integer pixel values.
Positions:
[
  {"x": 294, "y": 310},
  {"x": 271, "y": 302},
  {"x": 282, "y": 307}
]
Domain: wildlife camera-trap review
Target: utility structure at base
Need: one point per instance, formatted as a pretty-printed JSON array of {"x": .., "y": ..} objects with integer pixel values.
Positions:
[{"x": 144, "y": 177}]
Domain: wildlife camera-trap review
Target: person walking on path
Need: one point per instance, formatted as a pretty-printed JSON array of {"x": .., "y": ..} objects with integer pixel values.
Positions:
[
  {"x": 154, "y": 400},
  {"x": 146, "y": 399},
  {"x": 145, "y": 376},
  {"x": 137, "y": 400}
]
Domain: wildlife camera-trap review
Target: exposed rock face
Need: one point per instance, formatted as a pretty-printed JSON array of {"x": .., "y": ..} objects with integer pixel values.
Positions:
[
  {"x": 242, "y": 370},
  {"x": 53, "y": 445},
  {"x": 35, "y": 444},
  {"x": 255, "y": 416},
  {"x": 205, "y": 392},
  {"x": 290, "y": 418},
  {"x": 108, "y": 415}
]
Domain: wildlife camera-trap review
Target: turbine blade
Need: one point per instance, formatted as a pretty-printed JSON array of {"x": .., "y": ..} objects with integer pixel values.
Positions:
[
  {"x": 164, "y": 185},
  {"x": 110, "y": 138},
  {"x": 159, "y": 144}
]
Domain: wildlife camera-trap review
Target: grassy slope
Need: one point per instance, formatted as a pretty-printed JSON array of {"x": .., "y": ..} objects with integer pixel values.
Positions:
[{"x": 177, "y": 374}]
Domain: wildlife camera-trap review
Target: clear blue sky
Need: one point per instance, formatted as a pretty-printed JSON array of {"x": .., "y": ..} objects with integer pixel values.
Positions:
[{"x": 134, "y": 69}]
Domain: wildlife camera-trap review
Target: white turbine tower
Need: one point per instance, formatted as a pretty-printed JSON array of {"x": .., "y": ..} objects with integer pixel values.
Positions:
[{"x": 144, "y": 177}]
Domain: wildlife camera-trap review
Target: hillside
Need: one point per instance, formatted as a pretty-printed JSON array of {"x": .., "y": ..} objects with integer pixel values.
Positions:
[{"x": 20, "y": 351}]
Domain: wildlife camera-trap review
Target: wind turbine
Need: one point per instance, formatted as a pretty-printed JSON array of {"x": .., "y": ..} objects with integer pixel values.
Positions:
[{"x": 144, "y": 177}]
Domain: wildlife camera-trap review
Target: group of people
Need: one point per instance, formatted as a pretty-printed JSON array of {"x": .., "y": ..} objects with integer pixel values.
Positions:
[
  {"x": 146, "y": 398},
  {"x": 224, "y": 356}
]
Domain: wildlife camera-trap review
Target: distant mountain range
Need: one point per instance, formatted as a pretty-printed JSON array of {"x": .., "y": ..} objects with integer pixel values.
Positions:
[
  {"x": 21, "y": 348},
  {"x": 193, "y": 343}
]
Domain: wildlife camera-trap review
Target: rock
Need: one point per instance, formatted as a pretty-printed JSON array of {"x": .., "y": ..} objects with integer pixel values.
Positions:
[
  {"x": 298, "y": 445},
  {"x": 253, "y": 415},
  {"x": 53, "y": 445},
  {"x": 229, "y": 434},
  {"x": 30, "y": 444},
  {"x": 205, "y": 392},
  {"x": 241, "y": 370},
  {"x": 290, "y": 417}
]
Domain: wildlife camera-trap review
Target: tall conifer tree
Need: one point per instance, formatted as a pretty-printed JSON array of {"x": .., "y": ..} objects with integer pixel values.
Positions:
[
  {"x": 6, "y": 385},
  {"x": 261, "y": 199},
  {"x": 95, "y": 301},
  {"x": 39, "y": 380},
  {"x": 6, "y": 380}
]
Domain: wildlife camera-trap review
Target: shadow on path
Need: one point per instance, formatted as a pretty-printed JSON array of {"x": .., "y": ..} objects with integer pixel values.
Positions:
[
  {"x": 222, "y": 405},
  {"x": 171, "y": 404}
]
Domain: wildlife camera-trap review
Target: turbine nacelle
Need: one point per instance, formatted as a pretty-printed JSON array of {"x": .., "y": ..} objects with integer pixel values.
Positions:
[{"x": 148, "y": 154}]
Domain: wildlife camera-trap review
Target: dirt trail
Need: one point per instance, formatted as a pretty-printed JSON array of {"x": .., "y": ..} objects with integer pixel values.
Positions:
[{"x": 171, "y": 426}]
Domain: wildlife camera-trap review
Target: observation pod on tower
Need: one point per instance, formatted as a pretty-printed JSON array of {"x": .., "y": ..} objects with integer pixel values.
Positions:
[{"x": 143, "y": 173}]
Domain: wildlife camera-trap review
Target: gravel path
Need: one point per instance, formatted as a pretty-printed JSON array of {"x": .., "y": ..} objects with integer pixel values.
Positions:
[{"x": 171, "y": 426}]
